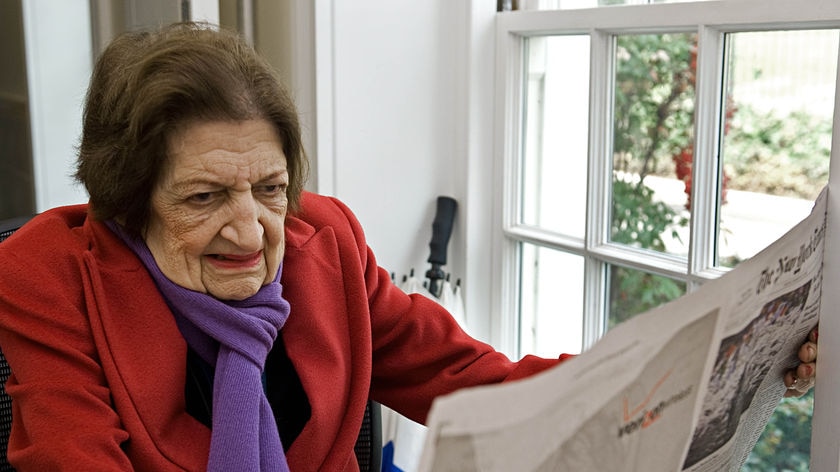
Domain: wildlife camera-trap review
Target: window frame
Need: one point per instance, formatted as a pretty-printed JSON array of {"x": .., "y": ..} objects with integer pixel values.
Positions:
[{"x": 711, "y": 20}]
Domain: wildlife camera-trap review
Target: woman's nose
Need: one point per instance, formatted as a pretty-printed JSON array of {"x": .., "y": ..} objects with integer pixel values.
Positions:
[{"x": 244, "y": 228}]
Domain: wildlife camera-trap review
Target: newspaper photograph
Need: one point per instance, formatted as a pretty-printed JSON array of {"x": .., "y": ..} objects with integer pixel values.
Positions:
[
  {"x": 748, "y": 364},
  {"x": 688, "y": 386}
]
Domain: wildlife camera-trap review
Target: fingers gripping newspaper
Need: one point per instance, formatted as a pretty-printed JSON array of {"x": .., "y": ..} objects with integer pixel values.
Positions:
[{"x": 688, "y": 386}]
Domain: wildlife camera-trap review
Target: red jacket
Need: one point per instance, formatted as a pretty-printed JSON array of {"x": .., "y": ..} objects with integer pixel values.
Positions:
[{"x": 99, "y": 364}]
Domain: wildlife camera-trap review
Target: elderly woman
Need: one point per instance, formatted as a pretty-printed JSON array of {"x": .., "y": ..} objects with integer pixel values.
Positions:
[
  {"x": 152, "y": 329},
  {"x": 202, "y": 311}
]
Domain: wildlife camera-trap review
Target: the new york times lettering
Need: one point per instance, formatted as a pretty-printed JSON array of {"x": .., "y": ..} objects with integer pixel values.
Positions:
[
  {"x": 791, "y": 264},
  {"x": 649, "y": 415}
]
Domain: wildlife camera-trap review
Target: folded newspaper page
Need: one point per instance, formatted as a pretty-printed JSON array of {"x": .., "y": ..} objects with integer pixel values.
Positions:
[{"x": 688, "y": 386}]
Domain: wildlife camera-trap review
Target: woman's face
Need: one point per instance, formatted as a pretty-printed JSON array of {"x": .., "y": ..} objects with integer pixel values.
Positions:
[{"x": 218, "y": 211}]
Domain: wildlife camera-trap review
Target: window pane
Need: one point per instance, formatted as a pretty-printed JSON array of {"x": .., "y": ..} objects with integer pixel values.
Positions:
[
  {"x": 776, "y": 150},
  {"x": 652, "y": 132},
  {"x": 632, "y": 292},
  {"x": 777, "y": 135},
  {"x": 551, "y": 301},
  {"x": 785, "y": 443},
  {"x": 556, "y": 130}
]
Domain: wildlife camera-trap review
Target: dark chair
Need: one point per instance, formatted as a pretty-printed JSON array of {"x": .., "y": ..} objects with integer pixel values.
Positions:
[
  {"x": 7, "y": 227},
  {"x": 368, "y": 445}
]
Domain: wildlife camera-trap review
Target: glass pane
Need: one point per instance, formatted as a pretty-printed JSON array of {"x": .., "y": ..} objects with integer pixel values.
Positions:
[
  {"x": 652, "y": 134},
  {"x": 777, "y": 135},
  {"x": 785, "y": 443},
  {"x": 551, "y": 303},
  {"x": 776, "y": 150},
  {"x": 556, "y": 131},
  {"x": 632, "y": 292}
]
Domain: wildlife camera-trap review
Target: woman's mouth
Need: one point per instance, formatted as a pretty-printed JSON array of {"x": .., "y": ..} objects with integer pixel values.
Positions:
[{"x": 236, "y": 261}]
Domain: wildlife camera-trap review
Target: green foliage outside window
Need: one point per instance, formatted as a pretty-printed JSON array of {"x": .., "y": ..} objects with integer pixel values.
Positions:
[
  {"x": 763, "y": 148},
  {"x": 654, "y": 101},
  {"x": 785, "y": 444},
  {"x": 654, "y": 95},
  {"x": 639, "y": 221}
]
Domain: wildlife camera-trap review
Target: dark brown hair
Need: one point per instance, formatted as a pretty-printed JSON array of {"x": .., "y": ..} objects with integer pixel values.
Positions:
[{"x": 146, "y": 85}]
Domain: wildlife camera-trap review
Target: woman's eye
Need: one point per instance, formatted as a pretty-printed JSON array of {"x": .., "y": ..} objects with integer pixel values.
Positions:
[
  {"x": 274, "y": 189},
  {"x": 203, "y": 197}
]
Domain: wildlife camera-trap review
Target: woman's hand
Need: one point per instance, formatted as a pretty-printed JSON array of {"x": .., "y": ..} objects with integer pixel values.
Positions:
[{"x": 801, "y": 379}]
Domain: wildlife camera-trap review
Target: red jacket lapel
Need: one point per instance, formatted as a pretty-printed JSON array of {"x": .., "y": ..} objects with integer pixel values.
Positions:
[{"x": 142, "y": 352}]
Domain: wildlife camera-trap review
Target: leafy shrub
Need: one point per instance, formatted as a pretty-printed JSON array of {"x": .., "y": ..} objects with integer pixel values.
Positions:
[
  {"x": 780, "y": 156},
  {"x": 639, "y": 221}
]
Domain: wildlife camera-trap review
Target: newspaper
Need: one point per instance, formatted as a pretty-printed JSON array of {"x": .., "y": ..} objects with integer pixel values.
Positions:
[{"x": 688, "y": 386}]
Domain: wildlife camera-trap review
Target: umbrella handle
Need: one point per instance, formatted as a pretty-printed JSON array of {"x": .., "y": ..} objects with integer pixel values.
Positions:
[{"x": 441, "y": 231}]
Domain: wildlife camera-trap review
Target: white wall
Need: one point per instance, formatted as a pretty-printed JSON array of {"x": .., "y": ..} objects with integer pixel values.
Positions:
[
  {"x": 394, "y": 106},
  {"x": 405, "y": 114},
  {"x": 58, "y": 63},
  {"x": 395, "y": 99}
]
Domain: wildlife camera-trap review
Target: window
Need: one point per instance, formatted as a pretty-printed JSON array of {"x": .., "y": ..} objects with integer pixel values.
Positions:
[
  {"x": 636, "y": 144},
  {"x": 647, "y": 149}
]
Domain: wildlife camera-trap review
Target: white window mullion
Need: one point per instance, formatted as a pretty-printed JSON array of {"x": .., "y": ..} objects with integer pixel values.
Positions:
[
  {"x": 705, "y": 167},
  {"x": 504, "y": 328},
  {"x": 599, "y": 195},
  {"x": 594, "y": 301}
]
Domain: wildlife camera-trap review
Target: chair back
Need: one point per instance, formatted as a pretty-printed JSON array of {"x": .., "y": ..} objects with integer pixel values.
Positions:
[
  {"x": 5, "y": 415},
  {"x": 7, "y": 228},
  {"x": 369, "y": 442}
]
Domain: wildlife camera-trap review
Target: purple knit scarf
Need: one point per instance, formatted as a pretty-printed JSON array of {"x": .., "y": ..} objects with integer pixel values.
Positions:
[{"x": 235, "y": 337}]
